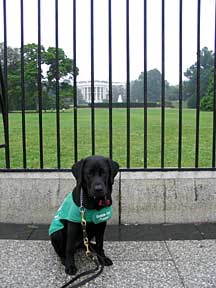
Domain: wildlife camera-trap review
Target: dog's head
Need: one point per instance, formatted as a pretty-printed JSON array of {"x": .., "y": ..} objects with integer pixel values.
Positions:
[{"x": 95, "y": 174}]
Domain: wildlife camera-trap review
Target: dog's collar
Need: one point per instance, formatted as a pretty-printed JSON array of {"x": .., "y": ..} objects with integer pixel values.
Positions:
[
  {"x": 104, "y": 203},
  {"x": 101, "y": 202}
]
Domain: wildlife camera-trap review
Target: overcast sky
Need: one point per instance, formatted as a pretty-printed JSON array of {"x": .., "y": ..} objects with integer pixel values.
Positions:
[{"x": 118, "y": 33}]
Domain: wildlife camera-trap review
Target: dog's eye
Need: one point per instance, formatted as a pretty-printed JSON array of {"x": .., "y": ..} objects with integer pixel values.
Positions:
[
  {"x": 102, "y": 172},
  {"x": 90, "y": 174}
]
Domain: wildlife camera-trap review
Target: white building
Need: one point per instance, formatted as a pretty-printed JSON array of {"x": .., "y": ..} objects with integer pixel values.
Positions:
[{"x": 101, "y": 90}]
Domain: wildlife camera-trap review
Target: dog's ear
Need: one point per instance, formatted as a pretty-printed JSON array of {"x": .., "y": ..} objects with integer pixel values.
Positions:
[
  {"x": 77, "y": 171},
  {"x": 114, "y": 168}
]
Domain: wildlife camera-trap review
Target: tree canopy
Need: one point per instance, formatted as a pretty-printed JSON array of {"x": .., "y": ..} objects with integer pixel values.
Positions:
[
  {"x": 48, "y": 76},
  {"x": 189, "y": 85},
  {"x": 206, "y": 72},
  {"x": 153, "y": 87}
]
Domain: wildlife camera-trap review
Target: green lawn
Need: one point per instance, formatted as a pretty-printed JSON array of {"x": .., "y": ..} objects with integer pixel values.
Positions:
[{"x": 102, "y": 137}]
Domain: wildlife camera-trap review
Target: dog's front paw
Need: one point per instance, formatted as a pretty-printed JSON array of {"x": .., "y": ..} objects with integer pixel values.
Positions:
[
  {"x": 71, "y": 270},
  {"x": 106, "y": 261},
  {"x": 63, "y": 261}
]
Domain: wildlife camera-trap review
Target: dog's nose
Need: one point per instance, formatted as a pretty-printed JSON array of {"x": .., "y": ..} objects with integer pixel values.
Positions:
[{"x": 98, "y": 188}]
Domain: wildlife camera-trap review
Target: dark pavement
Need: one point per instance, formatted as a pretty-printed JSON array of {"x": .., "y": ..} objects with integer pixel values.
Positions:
[{"x": 148, "y": 232}]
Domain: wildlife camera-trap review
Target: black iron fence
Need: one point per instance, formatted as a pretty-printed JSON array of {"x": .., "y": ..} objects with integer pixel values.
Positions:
[{"x": 127, "y": 154}]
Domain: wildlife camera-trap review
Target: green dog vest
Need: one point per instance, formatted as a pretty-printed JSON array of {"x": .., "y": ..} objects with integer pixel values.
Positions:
[{"x": 71, "y": 212}]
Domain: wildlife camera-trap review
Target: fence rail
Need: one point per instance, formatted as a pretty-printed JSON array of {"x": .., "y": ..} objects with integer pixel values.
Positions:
[{"x": 4, "y": 92}]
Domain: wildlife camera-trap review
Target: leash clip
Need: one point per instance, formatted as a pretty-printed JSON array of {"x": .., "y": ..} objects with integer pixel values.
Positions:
[{"x": 85, "y": 236}]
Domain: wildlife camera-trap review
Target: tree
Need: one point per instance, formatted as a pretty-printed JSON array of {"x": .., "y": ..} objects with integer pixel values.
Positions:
[
  {"x": 153, "y": 87},
  {"x": 66, "y": 72},
  {"x": 13, "y": 70},
  {"x": 14, "y": 75},
  {"x": 206, "y": 103},
  {"x": 137, "y": 91},
  {"x": 172, "y": 92},
  {"x": 206, "y": 64},
  {"x": 31, "y": 74},
  {"x": 13, "y": 56},
  {"x": 65, "y": 66},
  {"x": 30, "y": 57}
]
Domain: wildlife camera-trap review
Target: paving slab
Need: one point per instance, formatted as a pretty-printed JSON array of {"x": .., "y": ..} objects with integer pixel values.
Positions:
[
  {"x": 142, "y": 274},
  {"x": 137, "y": 251},
  {"x": 26, "y": 263},
  {"x": 195, "y": 261}
]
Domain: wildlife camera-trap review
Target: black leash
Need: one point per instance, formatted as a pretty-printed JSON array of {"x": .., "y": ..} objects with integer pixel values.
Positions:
[
  {"x": 83, "y": 282},
  {"x": 88, "y": 253}
]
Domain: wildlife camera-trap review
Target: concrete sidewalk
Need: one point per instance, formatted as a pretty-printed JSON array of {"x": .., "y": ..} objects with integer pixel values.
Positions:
[{"x": 165, "y": 263}]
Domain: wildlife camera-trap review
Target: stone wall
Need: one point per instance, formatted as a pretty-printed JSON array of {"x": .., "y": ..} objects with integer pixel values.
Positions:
[{"x": 138, "y": 197}]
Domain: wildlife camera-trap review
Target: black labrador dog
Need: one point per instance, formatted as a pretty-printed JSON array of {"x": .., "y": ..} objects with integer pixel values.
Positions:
[{"x": 95, "y": 177}]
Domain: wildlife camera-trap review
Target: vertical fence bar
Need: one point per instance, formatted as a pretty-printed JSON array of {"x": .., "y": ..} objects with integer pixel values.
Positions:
[
  {"x": 110, "y": 75},
  {"x": 75, "y": 82},
  {"x": 23, "y": 86},
  {"x": 2, "y": 96},
  {"x": 128, "y": 80},
  {"x": 92, "y": 79},
  {"x": 180, "y": 88},
  {"x": 145, "y": 85},
  {"x": 57, "y": 86},
  {"x": 214, "y": 103},
  {"x": 40, "y": 104},
  {"x": 2, "y": 93},
  {"x": 198, "y": 87},
  {"x": 163, "y": 85},
  {"x": 7, "y": 140},
  {"x": 2, "y": 107}
]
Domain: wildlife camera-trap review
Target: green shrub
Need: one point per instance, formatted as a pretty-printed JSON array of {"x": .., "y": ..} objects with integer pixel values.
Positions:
[{"x": 206, "y": 103}]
